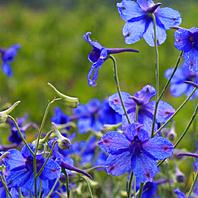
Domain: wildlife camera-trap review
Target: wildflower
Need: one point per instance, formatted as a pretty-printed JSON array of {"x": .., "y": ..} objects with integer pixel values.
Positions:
[
  {"x": 178, "y": 82},
  {"x": 186, "y": 40},
  {"x": 141, "y": 101},
  {"x": 59, "y": 117},
  {"x": 139, "y": 21},
  {"x": 132, "y": 150},
  {"x": 179, "y": 193},
  {"x": 98, "y": 55},
  {"x": 21, "y": 172},
  {"x": 7, "y": 56}
]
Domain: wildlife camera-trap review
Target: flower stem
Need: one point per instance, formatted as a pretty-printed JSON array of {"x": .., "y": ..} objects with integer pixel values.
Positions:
[
  {"x": 141, "y": 190},
  {"x": 5, "y": 186},
  {"x": 53, "y": 187},
  {"x": 89, "y": 186},
  {"x": 192, "y": 186},
  {"x": 164, "y": 89},
  {"x": 118, "y": 86},
  {"x": 130, "y": 185},
  {"x": 178, "y": 109},
  {"x": 67, "y": 182}
]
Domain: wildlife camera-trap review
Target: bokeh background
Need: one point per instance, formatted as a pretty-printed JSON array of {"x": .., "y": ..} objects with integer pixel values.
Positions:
[{"x": 53, "y": 50}]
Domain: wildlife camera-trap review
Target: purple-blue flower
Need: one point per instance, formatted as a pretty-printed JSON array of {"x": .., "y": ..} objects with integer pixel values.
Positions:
[
  {"x": 98, "y": 55},
  {"x": 59, "y": 116},
  {"x": 139, "y": 22},
  {"x": 186, "y": 40},
  {"x": 178, "y": 85},
  {"x": 7, "y": 57},
  {"x": 133, "y": 150},
  {"x": 21, "y": 172},
  {"x": 142, "y": 101}
]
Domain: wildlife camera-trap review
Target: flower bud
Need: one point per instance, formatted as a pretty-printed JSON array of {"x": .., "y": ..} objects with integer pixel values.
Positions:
[
  {"x": 69, "y": 101},
  {"x": 180, "y": 177}
]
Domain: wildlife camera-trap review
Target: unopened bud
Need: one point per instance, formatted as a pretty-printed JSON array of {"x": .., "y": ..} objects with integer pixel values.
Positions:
[
  {"x": 69, "y": 101},
  {"x": 180, "y": 177}
]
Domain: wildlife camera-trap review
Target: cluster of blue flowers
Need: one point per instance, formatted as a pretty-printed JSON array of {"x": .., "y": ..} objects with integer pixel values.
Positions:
[{"x": 124, "y": 134}]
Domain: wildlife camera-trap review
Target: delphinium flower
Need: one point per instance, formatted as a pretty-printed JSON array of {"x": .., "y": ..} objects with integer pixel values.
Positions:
[
  {"x": 94, "y": 115},
  {"x": 186, "y": 40},
  {"x": 178, "y": 82},
  {"x": 7, "y": 57},
  {"x": 134, "y": 150},
  {"x": 21, "y": 172},
  {"x": 59, "y": 116},
  {"x": 139, "y": 21},
  {"x": 141, "y": 101},
  {"x": 98, "y": 55}
]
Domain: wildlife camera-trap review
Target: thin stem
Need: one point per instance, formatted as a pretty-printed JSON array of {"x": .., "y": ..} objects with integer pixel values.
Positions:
[
  {"x": 141, "y": 190},
  {"x": 134, "y": 187},
  {"x": 20, "y": 133},
  {"x": 118, "y": 86},
  {"x": 89, "y": 187},
  {"x": 192, "y": 186},
  {"x": 130, "y": 185},
  {"x": 163, "y": 91},
  {"x": 5, "y": 186},
  {"x": 67, "y": 182},
  {"x": 179, "y": 108},
  {"x": 187, "y": 127},
  {"x": 184, "y": 133},
  {"x": 38, "y": 139},
  {"x": 53, "y": 187}
]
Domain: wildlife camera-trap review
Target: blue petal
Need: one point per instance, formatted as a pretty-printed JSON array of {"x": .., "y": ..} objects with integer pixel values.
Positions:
[
  {"x": 191, "y": 60},
  {"x": 119, "y": 164},
  {"x": 145, "y": 4},
  {"x": 149, "y": 34},
  {"x": 178, "y": 89},
  {"x": 14, "y": 159},
  {"x": 114, "y": 142},
  {"x": 164, "y": 112},
  {"x": 93, "y": 105},
  {"x": 144, "y": 167},
  {"x": 160, "y": 148},
  {"x": 92, "y": 43},
  {"x": 169, "y": 17},
  {"x": 51, "y": 170},
  {"x": 115, "y": 103},
  {"x": 10, "y": 53},
  {"x": 178, "y": 77},
  {"x": 133, "y": 31},
  {"x": 179, "y": 193},
  {"x": 129, "y": 10},
  {"x": 145, "y": 94},
  {"x": 84, "y": 125},
  {"x": 7, "y": 69},
  {"x": 182, "y": 41}
]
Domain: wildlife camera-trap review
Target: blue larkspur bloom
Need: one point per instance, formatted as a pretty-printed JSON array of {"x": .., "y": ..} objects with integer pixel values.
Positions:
[
  {"x": 142, "y": 101},
  {"x": 133, "y": 150},
  {"x": 21, "y": 172},
  {"x": 139, "y": 22},
  {"x": 186, "y": 40},
  {"x": 178, "y": 85},
  {"x": 7, "y": 57},
  {"x": 94, "y": 115},
  {"x": 98, "y": 55},
  {"x": 59, "y": 116}
]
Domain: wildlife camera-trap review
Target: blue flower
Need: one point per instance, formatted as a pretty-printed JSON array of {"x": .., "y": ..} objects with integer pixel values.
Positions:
[
  {"x": 98, "y": 55},
  {"x": 179, "y": 193},
  {"x": 142, "y": 101},
  {"x": 139, "y": 22},
  {"x": 178, "y": 85},
  {"x": 186, "y": 40},
  {"x": 21, "y": 172},
  {"x": 134, "y": 151},
  {"x": 59, "y": 117},
  {"x": 7, "y": 57}
]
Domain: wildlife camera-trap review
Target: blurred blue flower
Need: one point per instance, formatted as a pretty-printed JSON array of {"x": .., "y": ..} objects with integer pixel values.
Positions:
[
  {"x": 142, "y": 101},
  {"x": 186, "y": 40},
  {"x": 94, "y": 115},
  {"x": 178, "y": 85},
  {"x": 98, "y": 55},
  {"x": 21, "y": 172},
  {"x": 139, "y": 22},
  {"x": 179, "y": 193},
  {"x": 7, "y": 57},
  {"x": 134, "y": 151},
  {"x": 59, "y": 116}
]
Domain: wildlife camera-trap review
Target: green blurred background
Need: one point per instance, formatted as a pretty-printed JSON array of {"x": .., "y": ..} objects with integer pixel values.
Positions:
[{"x": 53, "y": 50}]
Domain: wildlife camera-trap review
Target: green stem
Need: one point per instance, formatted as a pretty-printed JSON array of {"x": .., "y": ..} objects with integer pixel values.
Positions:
[
  {"x": 164, "y": 90},
  {"x": 5, "y": 186},
  {"x": 192, "y": 186},
  {"x": 37, "y": 143},
  {"x": 141, "y": 190},
  {"x": 53, "y": 187},
  {"x": 89, "y": 187},
  {"x": 179, "y": 108},
  {"x": 118, "y": 86},
  {"x": 67, "y": 183},
  {"x": 130, "y": 185},
  {"x": 20, "y": 133},
  {"x": 184, "y": 132}
]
